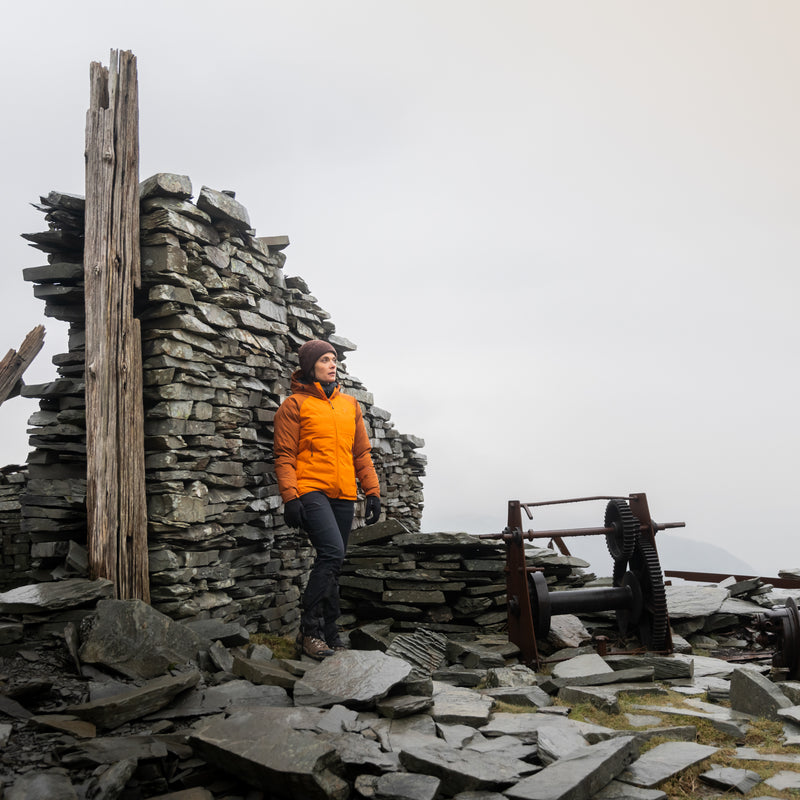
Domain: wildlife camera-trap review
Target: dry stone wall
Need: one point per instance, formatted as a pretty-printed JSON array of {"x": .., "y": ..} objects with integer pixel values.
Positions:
[{"x": 221, "y": 324}]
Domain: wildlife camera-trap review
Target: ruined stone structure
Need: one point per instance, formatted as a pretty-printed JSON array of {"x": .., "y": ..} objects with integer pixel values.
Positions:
[{"x": 220, "y": 327}]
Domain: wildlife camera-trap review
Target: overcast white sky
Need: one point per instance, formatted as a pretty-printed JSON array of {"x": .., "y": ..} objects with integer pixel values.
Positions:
[{"x": 564, "y": 235}]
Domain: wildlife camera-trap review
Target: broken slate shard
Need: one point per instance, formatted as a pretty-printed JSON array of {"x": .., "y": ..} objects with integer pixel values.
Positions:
[
  {"x": 263, "y": 748},
  {"x": 353, "y": 678}
]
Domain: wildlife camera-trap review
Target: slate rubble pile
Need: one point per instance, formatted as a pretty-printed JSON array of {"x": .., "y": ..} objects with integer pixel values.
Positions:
[
  {"x": 221, "y": 324},
  {"x": 449, "y": 582},
  {"x": 111, "y": 699}
]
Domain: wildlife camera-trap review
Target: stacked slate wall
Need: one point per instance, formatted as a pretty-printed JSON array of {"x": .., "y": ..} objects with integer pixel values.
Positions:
[
  {"x": 15, "y": 545},
  {"x": 221, "y": 325}
]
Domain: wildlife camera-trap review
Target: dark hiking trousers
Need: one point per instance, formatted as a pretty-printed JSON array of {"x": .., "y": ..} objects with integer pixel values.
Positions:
[{"x": 327, "y": 523}]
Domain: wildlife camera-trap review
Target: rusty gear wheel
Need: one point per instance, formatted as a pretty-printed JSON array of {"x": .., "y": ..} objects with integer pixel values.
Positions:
[
  {"x": 654, "y": 622},
  {"x": 620, "y": 568},
  {"x": 622, "y": 541}
]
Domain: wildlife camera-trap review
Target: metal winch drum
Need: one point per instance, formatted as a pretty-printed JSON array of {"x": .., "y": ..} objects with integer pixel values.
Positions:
[
  {"x": 780, "y": 628},
  {"x": 637, "y": 595}
]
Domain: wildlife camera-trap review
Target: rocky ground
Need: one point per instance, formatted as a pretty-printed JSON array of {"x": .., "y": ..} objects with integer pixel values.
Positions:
[{"x": 104, "y": 699}]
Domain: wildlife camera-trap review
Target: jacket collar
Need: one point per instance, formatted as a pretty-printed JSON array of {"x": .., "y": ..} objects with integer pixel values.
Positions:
[{"x": 315, "y": 389}]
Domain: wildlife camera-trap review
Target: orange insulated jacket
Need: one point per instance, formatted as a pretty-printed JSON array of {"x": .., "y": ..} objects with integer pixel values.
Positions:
[{"x": 321, "y": 445}]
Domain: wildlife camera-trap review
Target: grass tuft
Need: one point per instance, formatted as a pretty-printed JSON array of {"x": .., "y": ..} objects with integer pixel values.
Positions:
[{"x": 281, "y": 646}]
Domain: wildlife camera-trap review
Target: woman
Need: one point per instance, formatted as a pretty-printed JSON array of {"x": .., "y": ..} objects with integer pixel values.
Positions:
[{"x": 321, "y": 447}]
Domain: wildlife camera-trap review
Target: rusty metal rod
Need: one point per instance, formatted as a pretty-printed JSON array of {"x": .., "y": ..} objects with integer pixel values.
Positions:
[
  {"x": 574, "y": 532},
  {"x": 574, "y": 500},
  {"x": 570, "y": 532}
]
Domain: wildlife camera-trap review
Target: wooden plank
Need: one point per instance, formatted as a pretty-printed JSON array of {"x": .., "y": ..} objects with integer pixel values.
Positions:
[
  {"x": 15, "y": 362},
  {"x": 115, "y": 495}
]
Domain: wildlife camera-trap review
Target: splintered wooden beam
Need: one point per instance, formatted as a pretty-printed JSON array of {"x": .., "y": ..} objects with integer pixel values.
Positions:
[
  {"x": 115, "y": 491},
  {"x": 15, "y": 362}
]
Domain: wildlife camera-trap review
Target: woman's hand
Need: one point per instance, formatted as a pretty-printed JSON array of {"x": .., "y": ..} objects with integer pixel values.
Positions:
[
  {"x": 293, "y": 513},
  {"x": 373, "y": 510}
]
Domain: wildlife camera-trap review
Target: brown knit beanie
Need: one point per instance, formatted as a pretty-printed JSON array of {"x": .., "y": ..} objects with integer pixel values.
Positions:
[{"x": 310, "y": 353}]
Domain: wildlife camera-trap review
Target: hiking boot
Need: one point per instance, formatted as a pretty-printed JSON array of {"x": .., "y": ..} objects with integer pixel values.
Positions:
[{"x": 316, "y": 648}]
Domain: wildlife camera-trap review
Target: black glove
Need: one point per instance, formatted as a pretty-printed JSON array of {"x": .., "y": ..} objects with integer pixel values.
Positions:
[
  {"x": 293, "y": 513},
  {"x": 373, "y": 510}
]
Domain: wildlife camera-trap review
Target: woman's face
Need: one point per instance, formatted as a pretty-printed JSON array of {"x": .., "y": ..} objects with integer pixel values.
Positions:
[{"x": 325, "y": 368}]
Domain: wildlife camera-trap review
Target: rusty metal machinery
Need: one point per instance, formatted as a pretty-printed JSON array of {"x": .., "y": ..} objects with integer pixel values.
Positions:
[
  {"x": 637, "y": 594},
  {"x": 780, "y": 628}
]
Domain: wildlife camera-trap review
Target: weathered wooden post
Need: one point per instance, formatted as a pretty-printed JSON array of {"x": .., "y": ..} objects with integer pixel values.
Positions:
[
  {"x": 15, "y": 362},
  {"x": 115, "y": 492}
]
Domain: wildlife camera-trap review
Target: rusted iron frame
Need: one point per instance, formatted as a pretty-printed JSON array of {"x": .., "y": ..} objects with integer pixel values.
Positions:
[
  {"x": 520, "y": 617},
  {"x": 518, "y": 601},
  {"x": 716, "y": 577}
]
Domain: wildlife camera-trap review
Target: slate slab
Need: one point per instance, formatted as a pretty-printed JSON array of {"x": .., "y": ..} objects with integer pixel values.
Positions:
[
  {"x": 688, "y": 601},
  {"x": 617, "y": 790},
  {"x": 229, "y": 697},
  {"x": 64, "y": 723},
  {"x": 423, "y": 649},
  {"x": 459, "y": 735},
  {"x": 479, "y": 796},
  {"x": 405, "y": 786},
  {"x": 705, "y": 665},
  {"x": 453, "y": 704},
  {"x": 720, "y": 713},
  {"x": 632, "y": 675},
  {"x": 12, "y": 708},
  {"x": 678, "y": 733},
  {"x": 567, "y": 630},
  {"x": 461, "y": 771},
  {"x": 664, "y": 667},
  {"x": 135, "y": 703},
  {"x": 231, "y": 634},
  {"x": 221, "y": 657},
  {"x": 751, "y": 754},
  {"x": 513, "y": 676},
  {"x": 403, "y": 705},
  {"x": 353, "y": 678},
  {"x": 599, "y": 697},
  {"x": 582, "y": 666},
  {"x": 791, "y": 713},
  {"x": 54, "y": 596},
  {"x": 507, "y": 745},
  {"x": 110, "y": 783},
  {"x": 134, "y": 639},
  {"x": 528, "y": 727},
  {"x": 221, "y": 206},
  {"x": 398, "y": 734},
  {"x": 664, "y": 761},
  {"x": 529, "y": 696},
  {"x": 112, "y": 749},
  {"x": 10, "y": 632},
  {"x": 261, "y": 747},
  {"x": 785, "y": 780},
  {"x": 263, "y": 672},
  {"x": 360, "y": 754},
  {"x": 165, "y": 184},
  {"x": 373, "y": 534},
  {"x": 743, "y": 780},
  {"x": 753, "y": 693},
  {"x": 50, "y": 785},
  {"x": 578, "y": 776}
]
